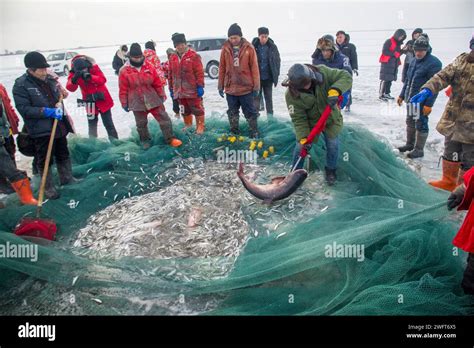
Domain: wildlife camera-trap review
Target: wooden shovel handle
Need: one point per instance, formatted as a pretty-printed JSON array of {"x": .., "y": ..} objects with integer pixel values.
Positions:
[{"x": 46, "y": 164}]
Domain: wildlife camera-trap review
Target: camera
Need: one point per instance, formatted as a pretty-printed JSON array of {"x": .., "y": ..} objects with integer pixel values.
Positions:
[{"x": 95, "y": 97}]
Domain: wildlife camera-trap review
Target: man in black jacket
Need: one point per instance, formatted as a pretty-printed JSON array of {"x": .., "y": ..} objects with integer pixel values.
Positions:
[
  {"x": 269, "y": 65},
  {"x": 409, "y": 52},
  {"x": 37, "y": 99},
  {"x": 349, "y": 50}
]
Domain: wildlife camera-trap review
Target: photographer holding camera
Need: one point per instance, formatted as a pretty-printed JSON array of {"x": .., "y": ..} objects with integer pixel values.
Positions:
[{"x": 86, "y": 74}]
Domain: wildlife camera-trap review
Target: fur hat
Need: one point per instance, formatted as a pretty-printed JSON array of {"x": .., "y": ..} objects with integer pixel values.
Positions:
[
  {"x": 325, "y": 43},
  {"x": 178, "y": 38}
]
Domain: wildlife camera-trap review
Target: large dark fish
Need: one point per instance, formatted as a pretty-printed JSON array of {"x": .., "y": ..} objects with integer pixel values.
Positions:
[{"x": 281, "y": 187}]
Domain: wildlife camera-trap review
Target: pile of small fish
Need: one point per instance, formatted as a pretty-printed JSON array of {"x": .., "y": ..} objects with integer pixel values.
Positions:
[
  {"x": 196, "y": 226},
  {"x": 198, "y": 216}
]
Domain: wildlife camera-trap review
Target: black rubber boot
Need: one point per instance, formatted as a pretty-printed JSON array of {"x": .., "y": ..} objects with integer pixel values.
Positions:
[
  {"x": 234, "y": 122},
  {"x": 50, "y": 191},
  {"x": 419, "y": 146},
  {"x": 5, "y": 187},
  {"x": 331, "y": 177},
  {"x": 410, "y": 145},
  {"x": 253, "y": 125},
  {"x": 65, "y": 173}
]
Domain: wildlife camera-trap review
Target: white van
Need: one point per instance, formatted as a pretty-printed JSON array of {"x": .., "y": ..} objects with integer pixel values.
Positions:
[
  {"x": 61, "y": 61},
  {"x": 209, "y": 48}
]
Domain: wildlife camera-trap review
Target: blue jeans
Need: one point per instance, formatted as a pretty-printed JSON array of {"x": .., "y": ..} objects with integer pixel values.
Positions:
[
  {"x": 247, "y": 102},
  {"x": 332, "y": 153},
  {"x": 416, "y": 120}
]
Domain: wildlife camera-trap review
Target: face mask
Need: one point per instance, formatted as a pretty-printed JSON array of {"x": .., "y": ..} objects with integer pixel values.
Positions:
[{"x": 137, "y": 64}]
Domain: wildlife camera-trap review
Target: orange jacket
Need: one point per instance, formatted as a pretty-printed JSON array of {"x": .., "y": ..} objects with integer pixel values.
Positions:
[
  {"x": 9, "y": 110},
  {"x": 242, "y": 77}
]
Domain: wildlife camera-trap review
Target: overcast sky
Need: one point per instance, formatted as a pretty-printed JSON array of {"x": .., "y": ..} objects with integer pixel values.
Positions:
[{"x": 30, "y": 24}]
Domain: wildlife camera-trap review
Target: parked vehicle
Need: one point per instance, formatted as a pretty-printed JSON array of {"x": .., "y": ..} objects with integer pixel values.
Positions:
[
  {"x": 61, "y": 61},
  {"x": 209, "y": 48}
]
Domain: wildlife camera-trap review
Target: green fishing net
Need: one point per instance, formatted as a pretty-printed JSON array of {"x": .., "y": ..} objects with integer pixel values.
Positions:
[{"x": 289, "y": 263}]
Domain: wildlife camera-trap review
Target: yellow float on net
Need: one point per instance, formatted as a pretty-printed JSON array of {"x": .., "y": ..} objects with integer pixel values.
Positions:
[
  {"x": 265, "y": 154},
  {"x": 241, "y": 138},
  {"x": 219, "y": 140},
  {"x": 232, "y": 139},
  {"x": 271, "y": 149},
  {"x": 260, "y": 144},
  {"x": 252, "y": 146}
]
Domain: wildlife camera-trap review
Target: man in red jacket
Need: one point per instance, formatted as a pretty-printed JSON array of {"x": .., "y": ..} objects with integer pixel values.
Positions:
[
  {"x": 462, "y": 197},
  {"x": 186, "y": 75},
  {"x": 9, "y": 173},
  {"x": 86, "y": 74},
  {"x": 141, "y": 91}
]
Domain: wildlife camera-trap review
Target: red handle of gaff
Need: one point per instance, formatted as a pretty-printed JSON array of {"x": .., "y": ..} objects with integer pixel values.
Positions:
[{"x": 318, "y": 128}]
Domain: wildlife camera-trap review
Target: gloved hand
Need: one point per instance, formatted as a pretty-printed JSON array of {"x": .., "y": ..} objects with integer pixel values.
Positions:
[
  {"x": 356, "y": 72},
  {"x": 125, "y": 108},
  {"x": 304, "y": 143},
  {"x": 421, "y": 96},
  {"x": 76, "y": 77},
  {"x": 255, "y": 94},
  {"x": 221, "y": 93},
  {"x": 400, "y": 101},
  {"x": 456, "y": 197},
  {"x": 200, "y": 91},
  {"x": 426, "y": 110},
  {"x": 86, "y": 75},
  {"x": 56, "y": 113},
  {"x": 171, "y": 94},
  {"x": 333, "y": 97}
]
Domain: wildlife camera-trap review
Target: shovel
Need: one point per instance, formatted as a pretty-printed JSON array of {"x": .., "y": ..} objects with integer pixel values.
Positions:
[{"x": 38, "y": 227}]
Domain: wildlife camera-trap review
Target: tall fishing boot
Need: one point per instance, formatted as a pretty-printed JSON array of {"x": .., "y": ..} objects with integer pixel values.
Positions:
[
  {"x": 5, "y": 187},
  {"x": 23, "y": 190},
  {"x": 330, "y": 176},
  {"x": 50, "y": 191},
  {"x": 450, "y": 176},
  {"x": 145, "y": 137},
  {"x": 253, "y": 126},
  {"x": 188, "y": 121},
  {"x": 234, "y": 122},
  {"x": 200, "y": 124},
  {"x": 418, "y": 152},
  {"x": 65, "y": 173},
  {"x": 167, "y": 130},
  {"x": 410, "y": 145}
]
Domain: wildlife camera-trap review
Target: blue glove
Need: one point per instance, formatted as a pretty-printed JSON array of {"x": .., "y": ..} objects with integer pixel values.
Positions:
[
  {"x": 221, "y": 93},
  {"x": 421, "y": 96},
  {"x": 171, "y": 94},
  {"x": 200, "y": 91},
  {"x": 125, "y": 108},
  {"x": 56, "y": 113},
  {"x": 345, "y": 99}
]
